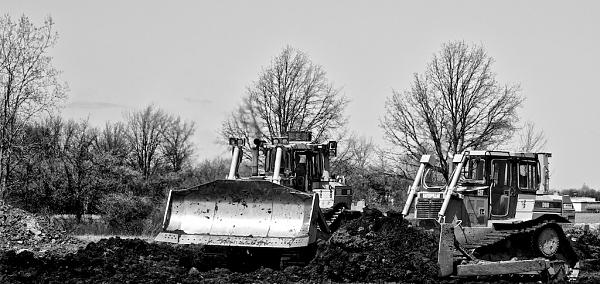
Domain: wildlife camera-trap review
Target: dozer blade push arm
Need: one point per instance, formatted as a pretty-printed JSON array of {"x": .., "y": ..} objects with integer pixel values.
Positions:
[
  {"x": 277, "y": 169},
  {"x": 235, "y": 162},
  {"x": 450, "y": 190},
  {"x": 425, "y": 161}
]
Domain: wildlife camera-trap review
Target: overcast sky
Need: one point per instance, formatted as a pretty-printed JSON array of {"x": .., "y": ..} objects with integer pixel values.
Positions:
[{"x": 195, "y": 59}]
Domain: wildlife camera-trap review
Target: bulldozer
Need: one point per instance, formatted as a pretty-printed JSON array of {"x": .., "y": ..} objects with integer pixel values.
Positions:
[
  {"x": 495, "y": 215},
  {"x": 278, "y": 213}
]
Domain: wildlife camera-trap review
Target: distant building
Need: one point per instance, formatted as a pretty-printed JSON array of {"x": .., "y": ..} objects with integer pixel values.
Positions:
[{"x": 585, "y": 204}]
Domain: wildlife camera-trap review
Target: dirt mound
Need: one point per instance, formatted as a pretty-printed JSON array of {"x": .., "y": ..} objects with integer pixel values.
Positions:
[
  {"x": 370, "y": 249},
  {"x": 118, "y": 260},
  {"x": 377, "y": 248},
  {"x": 587, "y": 246},
  {"x": 20, "y": 229}
]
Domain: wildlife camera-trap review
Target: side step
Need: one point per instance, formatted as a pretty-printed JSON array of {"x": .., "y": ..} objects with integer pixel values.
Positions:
[{"x": 335, "y": 216}]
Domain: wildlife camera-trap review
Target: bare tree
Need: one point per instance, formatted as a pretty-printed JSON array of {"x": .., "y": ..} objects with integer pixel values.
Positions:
[
  {"x": 78, "y": 165},
  {"x": 211, "y": 169},
  {"x": 36, "y": 170},
  {"x": 177, "y": 146},
  {"x": 530, "y": 139},
  {"x": 291, "y": 94},
  {"x": 112, "y": 140},
  {"x": 28, "y": 80},
  {"x": 145, "y": 132},
  {"x": 372, "y": 175},
  {"x": 456, "y": 105},
  {"x": 355, "y": 155}
]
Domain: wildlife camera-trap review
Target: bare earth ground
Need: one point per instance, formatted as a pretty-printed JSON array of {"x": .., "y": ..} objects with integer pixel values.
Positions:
[{"x": 374, "y": 248}]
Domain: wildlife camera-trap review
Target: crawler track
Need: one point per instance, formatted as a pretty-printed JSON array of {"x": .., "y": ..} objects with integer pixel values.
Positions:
[{"x": 516, "y": 241}]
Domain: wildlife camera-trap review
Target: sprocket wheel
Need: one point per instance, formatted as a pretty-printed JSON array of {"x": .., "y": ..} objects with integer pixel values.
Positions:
[{"x": 547, "y": 242}]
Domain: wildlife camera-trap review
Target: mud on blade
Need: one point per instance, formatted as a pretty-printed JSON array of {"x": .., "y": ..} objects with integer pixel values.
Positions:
[{"x": 249, "y": 213}]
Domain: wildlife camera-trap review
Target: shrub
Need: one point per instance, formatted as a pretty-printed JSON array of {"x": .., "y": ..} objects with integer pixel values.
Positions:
[
  {"x": 125, "y": 213},
  {"x": 153, "y": 223}
]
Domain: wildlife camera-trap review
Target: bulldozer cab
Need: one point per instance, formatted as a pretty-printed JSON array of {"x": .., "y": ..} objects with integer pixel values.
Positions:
[
  {"x": 491, "y": 177},
  {"x": 298, "y": 167},
  {"x": 509, "y": 177},
  {"x": 296, "y": 162},
  {"x": 484, "y": 186}
]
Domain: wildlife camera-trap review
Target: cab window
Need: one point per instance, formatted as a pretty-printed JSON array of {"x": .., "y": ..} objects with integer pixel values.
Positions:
[
  {"x": 433, "y": 179},
  {"x": 501, "y": 174},
  {"x": 269, "y": 160},
  {"x": 527, "y": 175},
  {"x": 474, "y": 170},
  {"x": 300, "y": 166},
  {"x": 500, "y": 189},
  {"x": 316, "y": 166}
]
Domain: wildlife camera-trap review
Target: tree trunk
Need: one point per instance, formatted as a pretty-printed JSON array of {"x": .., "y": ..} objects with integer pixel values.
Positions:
[{"x": 2, "y": 175}]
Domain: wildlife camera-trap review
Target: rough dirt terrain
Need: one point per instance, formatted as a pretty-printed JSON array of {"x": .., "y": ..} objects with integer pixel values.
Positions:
[
  {"x": 587, "y": 246},
  {"x": 21, "y": 230},
  {"x": 373, "y": 248}
]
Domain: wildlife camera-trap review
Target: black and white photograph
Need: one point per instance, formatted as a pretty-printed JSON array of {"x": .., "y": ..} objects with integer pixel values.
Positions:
[{"x": 299, "y": 141}]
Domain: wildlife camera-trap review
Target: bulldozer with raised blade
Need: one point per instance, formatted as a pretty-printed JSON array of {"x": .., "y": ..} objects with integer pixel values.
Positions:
[
  {"x": 495, "y": 216},
  {"x": 278, "y": 213}
]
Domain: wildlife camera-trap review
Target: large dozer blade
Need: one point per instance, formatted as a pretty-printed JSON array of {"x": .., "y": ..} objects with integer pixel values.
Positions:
[{"x": 248, "y": 213}]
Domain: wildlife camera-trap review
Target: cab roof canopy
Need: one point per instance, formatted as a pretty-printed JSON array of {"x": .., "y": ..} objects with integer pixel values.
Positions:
[{"x": 504, "y": 154}]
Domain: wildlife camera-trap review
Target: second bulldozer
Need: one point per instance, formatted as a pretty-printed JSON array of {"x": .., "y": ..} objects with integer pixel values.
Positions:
[{"x": 496, "y": 216}]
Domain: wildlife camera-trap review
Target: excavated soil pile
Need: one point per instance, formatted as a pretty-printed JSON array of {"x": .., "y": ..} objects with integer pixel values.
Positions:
[
  {"x": 377, "y": 248},
  {"x": 118, "y": 260},
  {"x": 20, "y": 229},
  {"x": 587, "y": 246},
  {"x": 372, "y": 248}
]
